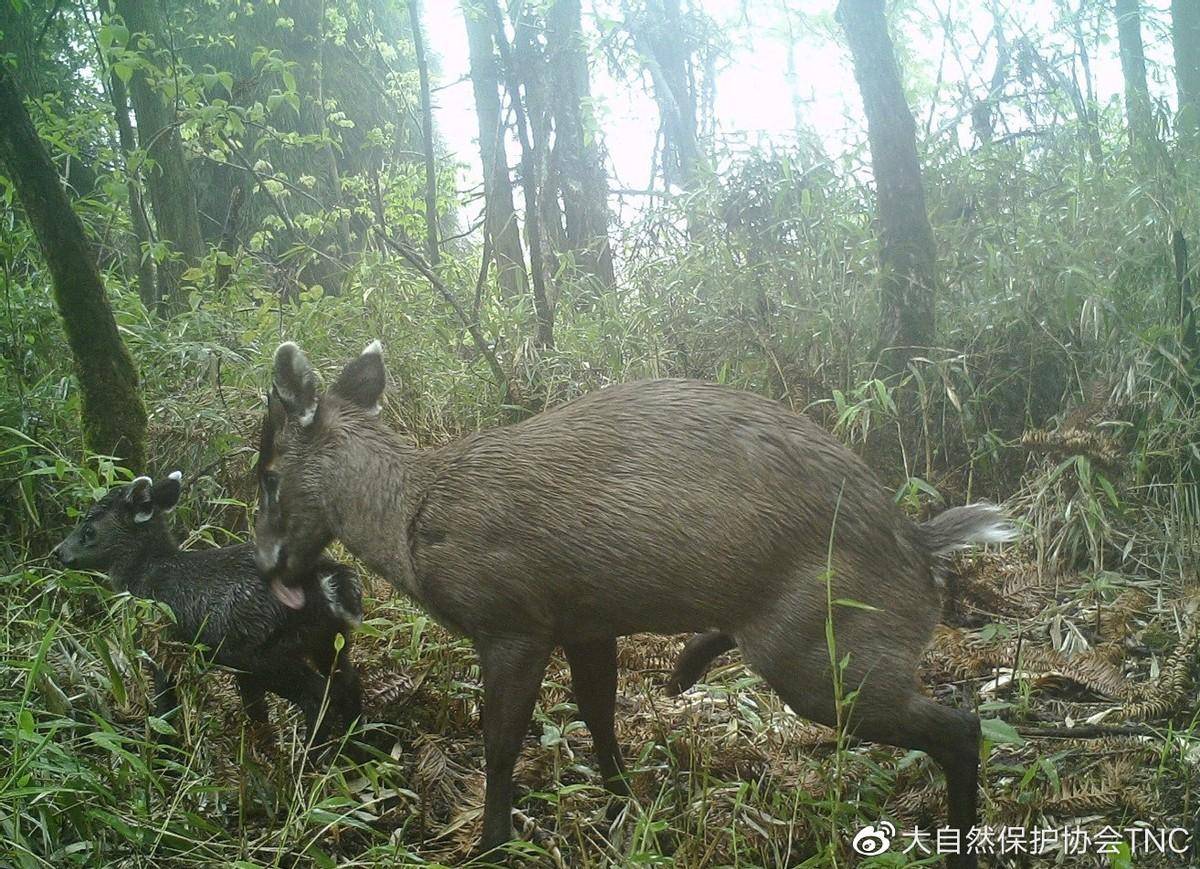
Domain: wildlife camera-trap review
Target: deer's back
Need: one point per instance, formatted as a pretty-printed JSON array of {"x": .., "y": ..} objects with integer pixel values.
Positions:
[
  {"x": 653, "y": 506},
  {"x": 220, "y": 600}
]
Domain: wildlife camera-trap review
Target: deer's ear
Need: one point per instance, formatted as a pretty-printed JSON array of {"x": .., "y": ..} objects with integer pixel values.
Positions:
[
  {"x": 295, "y": 383},
  {"x": 273, "y": 421},
  {"x": 362, "y": 381},
  {"x": 140, "y": 499},
  {"x": 165, "y": 493}
]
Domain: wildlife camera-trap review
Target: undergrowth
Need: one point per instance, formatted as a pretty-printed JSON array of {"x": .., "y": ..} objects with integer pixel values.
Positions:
[{"x": 1060, "y": 387}]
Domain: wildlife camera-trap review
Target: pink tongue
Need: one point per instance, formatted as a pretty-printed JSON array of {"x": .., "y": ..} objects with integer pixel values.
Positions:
[{"x": 291, "y": 597}]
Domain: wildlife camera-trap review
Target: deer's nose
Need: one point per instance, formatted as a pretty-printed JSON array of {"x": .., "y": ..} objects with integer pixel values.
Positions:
[{"x": 270, "y": 558}]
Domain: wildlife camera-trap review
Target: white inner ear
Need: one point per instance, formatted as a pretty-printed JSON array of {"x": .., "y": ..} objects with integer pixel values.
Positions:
[
  {"x": 305, "y": 419},
  {"x": 300, "y": 366},
  {"x": 145, "y": 516},
  {"x": 331, "y": 597},
  {"x": 375, "y": 347},
  {"x": 175, "y": 475},
  {"x": 140, "y": 483}
]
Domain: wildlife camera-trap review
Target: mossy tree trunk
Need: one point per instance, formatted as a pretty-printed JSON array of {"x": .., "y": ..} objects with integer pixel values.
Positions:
[
  {"x": 27, "y": 34},
  {"x": 114, "y": 419},
  {"x": 542, "y": 307},
  {"x": 142, "y": 262},
  {"x": 529, "y": 70},
  {"x": 432, "y": 251},
  {"x": 304, "y": 43},
  {"x": 660, "y": 37},
  {"x": 907, "y": 256}
]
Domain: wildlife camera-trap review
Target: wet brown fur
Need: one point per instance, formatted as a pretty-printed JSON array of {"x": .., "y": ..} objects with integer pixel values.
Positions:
[{"x": 659, "y": 506}]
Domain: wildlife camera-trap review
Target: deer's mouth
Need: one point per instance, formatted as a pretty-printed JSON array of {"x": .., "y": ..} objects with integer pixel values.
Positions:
[{"x": 291, "y": 596}]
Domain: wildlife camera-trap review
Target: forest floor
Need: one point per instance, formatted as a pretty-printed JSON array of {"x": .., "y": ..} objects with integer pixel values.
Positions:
[{"x": 726, "y": 775}]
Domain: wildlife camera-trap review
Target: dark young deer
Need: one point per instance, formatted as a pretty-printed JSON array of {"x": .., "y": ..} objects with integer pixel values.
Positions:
[
  {"x": 662, "y": 506},
  {"x": 221, "y": 600}
]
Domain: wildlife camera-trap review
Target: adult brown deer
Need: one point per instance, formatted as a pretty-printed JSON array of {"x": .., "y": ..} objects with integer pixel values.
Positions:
[{"x": 660, "y": 506}]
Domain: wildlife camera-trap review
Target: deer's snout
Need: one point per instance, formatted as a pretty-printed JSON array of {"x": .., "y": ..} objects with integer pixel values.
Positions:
[
  {"x": 62, "y": 556},
  {"x": 270, "y": 559},
  {"x": 268, "y": 556}
]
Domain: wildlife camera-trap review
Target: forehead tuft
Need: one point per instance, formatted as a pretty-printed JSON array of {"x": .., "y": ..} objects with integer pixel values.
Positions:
[{"x": 111, "y": 499}]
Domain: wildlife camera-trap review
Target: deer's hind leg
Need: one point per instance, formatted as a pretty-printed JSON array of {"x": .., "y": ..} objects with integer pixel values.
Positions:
[
  {"x": 888, "y": 706},
  {"x": 699, "y": 653},
  {"x": 594, "y": 680},
  {"x": 303, "y": 687}
]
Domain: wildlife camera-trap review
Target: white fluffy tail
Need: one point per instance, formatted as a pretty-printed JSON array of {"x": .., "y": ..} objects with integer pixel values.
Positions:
[{"x": 962, "y": 527}]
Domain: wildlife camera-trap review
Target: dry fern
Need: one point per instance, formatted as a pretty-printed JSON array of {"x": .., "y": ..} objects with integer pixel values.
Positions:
[
  {"x": 1097, "y": 447},
  {"x": 1167, "y": 693},
  {"x": 385, "y": 688}
]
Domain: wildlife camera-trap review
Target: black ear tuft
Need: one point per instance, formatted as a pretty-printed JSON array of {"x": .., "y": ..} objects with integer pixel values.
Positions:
[
  {"x": 362, "y": 381},
  {"x": 166, "y": 492},
  {"x": 295, "y": 383}
]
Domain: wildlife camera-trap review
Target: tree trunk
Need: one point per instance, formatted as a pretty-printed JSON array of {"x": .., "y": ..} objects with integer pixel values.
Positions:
[
  {"x": 304, "y": 44},
  {"x": 18, "y": 38},
  {"x": 791, "y": 75},
  {"x": 1133, "y": 68},
  {"x": 431, "y": 215},
  {"x": 907, "y": 257},
  {"x": 25, "y": 38},
  {"x": 143, "y": 263},
  {"x": 171, "y": 194},
  {"x": 114, "y": 420},
  {"x": 577, "y": 154},
  {"x": 500, "y": 215},
  {"x": 1086, "y": 101},
  {"x": 659, "y": 40},
  {"x": 1185, "y": 39},
  {"x": 530, "y": 72},
  {"x": 529, "y": 187}
]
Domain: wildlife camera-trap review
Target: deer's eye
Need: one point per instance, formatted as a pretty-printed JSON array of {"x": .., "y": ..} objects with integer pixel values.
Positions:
[{"x": 88, "y": 533}]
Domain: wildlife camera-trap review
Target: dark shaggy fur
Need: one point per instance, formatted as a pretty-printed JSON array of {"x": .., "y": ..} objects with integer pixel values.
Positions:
[{"x": 221, "y": 601}]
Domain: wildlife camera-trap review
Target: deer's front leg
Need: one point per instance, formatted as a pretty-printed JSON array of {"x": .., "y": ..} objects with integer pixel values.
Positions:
[{"x": 512, "y": 670}]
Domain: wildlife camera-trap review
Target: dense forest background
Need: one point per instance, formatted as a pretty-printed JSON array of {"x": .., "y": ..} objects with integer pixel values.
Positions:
[{"x": 988, "y": 290}]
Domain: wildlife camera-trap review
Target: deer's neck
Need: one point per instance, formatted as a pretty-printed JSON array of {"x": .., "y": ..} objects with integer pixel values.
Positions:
[
  {"x": 375, "y": 489},
  {"x": 133, "y": 571}
]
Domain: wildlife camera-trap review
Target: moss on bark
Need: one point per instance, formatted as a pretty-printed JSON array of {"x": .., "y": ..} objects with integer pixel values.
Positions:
[{"x": 114, "y": 419}]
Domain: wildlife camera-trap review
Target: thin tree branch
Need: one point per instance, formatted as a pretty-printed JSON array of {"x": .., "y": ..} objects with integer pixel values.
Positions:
[{"x": 422, "y": 265}]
